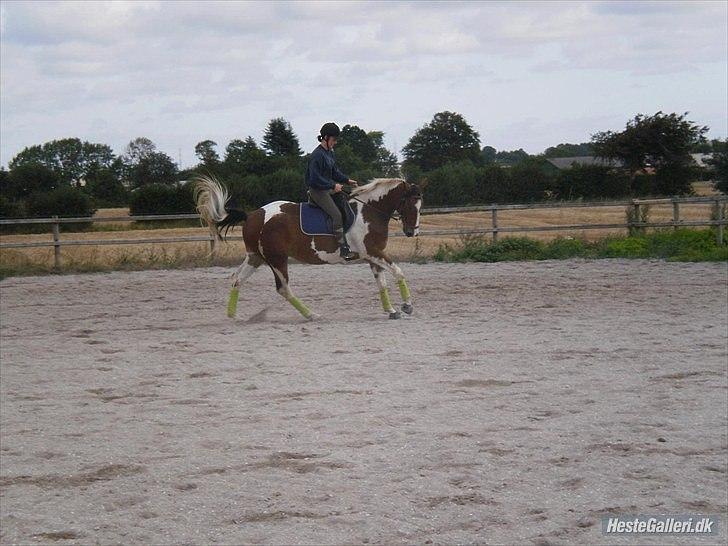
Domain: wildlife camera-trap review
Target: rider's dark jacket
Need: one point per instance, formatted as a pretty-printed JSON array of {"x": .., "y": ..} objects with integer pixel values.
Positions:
[{"x": 322, "y": 172}]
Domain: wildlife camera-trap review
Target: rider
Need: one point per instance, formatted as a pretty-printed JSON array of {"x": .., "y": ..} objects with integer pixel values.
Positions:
[{"x": 324, "y": 179}]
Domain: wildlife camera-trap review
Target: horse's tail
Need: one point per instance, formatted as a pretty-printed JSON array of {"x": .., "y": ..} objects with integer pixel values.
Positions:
[{"x": 211, "y": 198}]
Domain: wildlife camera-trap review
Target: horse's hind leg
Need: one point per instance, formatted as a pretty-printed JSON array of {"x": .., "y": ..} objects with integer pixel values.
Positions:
[
  {"x": 246, "y": 269},
  {"x": 384, "y": 291},
  {"x": 280, "y": 271}
]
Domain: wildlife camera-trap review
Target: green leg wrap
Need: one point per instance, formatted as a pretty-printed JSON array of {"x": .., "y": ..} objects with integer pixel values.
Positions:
[
  {"x": 404, "y": 290},
  {"x": 233, "y": 302},
  {"x": 298, "y": 304},
  {"x": 384, "y": 296}
]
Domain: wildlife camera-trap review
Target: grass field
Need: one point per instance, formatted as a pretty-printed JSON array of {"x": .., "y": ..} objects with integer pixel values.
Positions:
[{"x": 186, "y": 254}]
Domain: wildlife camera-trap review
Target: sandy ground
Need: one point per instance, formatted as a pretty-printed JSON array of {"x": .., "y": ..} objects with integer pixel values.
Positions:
[{"x": 520, "y": 403}]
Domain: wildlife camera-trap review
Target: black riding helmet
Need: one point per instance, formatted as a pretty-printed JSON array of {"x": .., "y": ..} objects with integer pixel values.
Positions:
[{"x": 329, "y": 129}]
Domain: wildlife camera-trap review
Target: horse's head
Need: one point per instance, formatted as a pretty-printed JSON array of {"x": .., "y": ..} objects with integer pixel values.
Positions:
[{"x": 409, "y": 209}]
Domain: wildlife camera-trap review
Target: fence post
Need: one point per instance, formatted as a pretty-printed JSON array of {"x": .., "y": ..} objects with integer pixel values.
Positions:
[
  {"x": 56, "y": 245},
  {"x": 636, "y": 214},
  {"x": 719, "y": 231},
  {"x": 675, "y": 213},
  {"x": 494, "y": 221}
]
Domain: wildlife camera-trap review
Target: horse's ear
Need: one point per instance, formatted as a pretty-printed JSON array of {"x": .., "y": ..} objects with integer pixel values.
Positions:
[{"x": 423, "y": 183}]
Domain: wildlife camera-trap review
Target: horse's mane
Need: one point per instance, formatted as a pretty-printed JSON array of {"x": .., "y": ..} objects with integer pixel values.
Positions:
[{"x": 376, "y": 188}]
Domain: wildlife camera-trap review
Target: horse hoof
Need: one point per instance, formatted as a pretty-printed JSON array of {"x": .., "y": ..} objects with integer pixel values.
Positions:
[
  {"x": 407, "y": 308},
  {"x": 395, "y": 315}
]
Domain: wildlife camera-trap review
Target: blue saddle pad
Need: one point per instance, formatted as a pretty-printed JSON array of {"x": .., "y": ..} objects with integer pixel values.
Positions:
[{"x": 314, "y": 221}]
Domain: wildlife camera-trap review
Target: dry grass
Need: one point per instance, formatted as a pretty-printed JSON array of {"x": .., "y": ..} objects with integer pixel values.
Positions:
[{"x": 188, "y": 254}]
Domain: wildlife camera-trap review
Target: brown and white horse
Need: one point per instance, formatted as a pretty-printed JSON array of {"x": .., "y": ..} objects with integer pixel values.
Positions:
[{"x": 272, "y": 234}]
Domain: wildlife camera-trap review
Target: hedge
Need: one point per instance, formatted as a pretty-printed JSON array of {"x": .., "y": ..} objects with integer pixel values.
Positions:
[
  {"x": 63, "y": 201},
  {"x": 162, "y": 199}
]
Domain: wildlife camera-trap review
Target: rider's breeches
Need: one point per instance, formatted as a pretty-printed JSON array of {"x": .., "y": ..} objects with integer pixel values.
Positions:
[{"x": 324, "y": 200}]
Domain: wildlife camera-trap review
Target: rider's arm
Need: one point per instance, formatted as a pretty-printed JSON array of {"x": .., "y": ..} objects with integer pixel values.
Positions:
[{"x": 339, "y": 177}]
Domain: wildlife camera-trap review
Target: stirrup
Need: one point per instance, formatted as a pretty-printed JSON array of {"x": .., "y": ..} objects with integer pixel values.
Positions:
[{"x": 346, "y": 253}]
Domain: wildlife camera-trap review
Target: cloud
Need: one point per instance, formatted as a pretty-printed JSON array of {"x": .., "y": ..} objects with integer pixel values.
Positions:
[{"x": 182, "y": 71}]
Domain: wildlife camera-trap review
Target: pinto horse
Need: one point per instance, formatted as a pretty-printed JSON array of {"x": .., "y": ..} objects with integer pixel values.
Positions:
[{"x": 272, "y": 235}]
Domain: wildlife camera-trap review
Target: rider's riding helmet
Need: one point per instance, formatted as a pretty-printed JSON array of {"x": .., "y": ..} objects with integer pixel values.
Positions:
[{"x": 329, "y": 129}]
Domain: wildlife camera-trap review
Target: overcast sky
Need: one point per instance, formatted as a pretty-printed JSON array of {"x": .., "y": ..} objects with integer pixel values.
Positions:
[{"x": 527, "y": 75}]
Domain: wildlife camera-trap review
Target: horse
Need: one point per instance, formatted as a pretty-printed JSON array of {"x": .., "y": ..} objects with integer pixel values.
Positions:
[{"x": 272, "y": 234}]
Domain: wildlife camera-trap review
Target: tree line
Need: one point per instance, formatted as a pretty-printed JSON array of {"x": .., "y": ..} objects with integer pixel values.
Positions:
[
  {"x": 650, "y": 157},
  {"x": 70, "y": 177}
]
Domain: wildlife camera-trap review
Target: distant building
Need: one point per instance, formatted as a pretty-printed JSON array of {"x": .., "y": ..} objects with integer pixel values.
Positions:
[
  {"x": 701, "y": 160},
  {"x": 562, "y": 163}
]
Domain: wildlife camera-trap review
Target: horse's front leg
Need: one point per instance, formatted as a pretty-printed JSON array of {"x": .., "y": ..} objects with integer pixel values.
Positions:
[
  {"x": 384, "y": 291},
  {"x": 383, "y": 262}
]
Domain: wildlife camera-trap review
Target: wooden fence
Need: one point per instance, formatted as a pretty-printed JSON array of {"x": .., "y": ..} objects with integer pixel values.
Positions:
[{"x": 493, "y": 229}]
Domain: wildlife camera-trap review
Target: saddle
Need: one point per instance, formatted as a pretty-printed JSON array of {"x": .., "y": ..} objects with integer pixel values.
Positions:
[{"x": 315, "y": 221}]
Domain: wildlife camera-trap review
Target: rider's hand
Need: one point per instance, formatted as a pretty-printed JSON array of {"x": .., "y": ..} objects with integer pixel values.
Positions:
[
  {"x": 353, "y": 182},
  {"x": 337, "y": 188}
]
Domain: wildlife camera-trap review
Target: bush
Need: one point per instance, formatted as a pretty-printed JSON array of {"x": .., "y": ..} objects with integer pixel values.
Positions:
[
  {"x": 668, "y": 243},
  {"x": 478, "y": 249},
  {"x": 589, "y": 181},
  {"x": 452, "y": 184},
  {"x": 162, "y": 199},
  {"x": 253, "y": 191},
  {"x": 631, "y": 247},
  {"x": 675, "y": 179},
  {"x": 527, "y": 181},
  {"x": 565, "y": 247},
  {"x": 29, "y": 178},
  {"x": 284, "y": 185},
  {"x": 645, "y": 185},
  {"x": 64, "y": 201},
  {"x": 11, "y": 209},
  {"x": 491, "y": 184},
  {"x": 106, "y": 188},
  {"x": 679, "y": 245}
]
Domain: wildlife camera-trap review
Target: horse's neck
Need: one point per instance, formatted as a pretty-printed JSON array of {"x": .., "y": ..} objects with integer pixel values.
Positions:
[{"x": 385, "y": 205}]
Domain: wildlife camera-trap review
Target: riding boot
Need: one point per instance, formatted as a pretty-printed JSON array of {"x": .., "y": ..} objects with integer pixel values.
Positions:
[
  {"x": 344, "y": 250},
  {"x": 346, "y": 253}
]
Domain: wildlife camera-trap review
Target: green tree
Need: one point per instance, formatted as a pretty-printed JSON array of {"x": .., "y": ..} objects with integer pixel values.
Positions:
[
  {"x": 360, "y": 142},
  {"x": 144, "y": 165},
  {"x": 446, "y": 139},
  {"x": 106, "y": 188},
  {"x": 348, "y": 161},
  {"x": 205, "y": 150},
  {"x": 651, "y": 141},
  {"x": 138, "y": 149},
  {"x": 245, "y": 157},
  {"x": 385, "y": 162},
  {"x": 512, "y": 158},
  {"x": 28, "y": 178},
  {"x": 569, "y": 150},
  {"x": 280, "y": 140},
  {"x": 719, "y": 162},
  {"x": 157, "y": 168},
  {"x": 70, "y": 158},
  {"x": 487, "y": 155}
]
